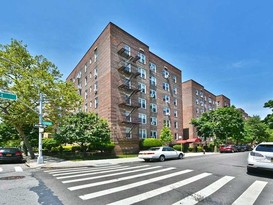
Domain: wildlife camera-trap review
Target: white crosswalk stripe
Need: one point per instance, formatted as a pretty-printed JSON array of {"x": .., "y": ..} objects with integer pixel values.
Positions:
[
  {"x": 1, "y": 169},
  {"x": 11, "y": 169},
  {"x": 18, "y": 169},
  {"x": 146, "y": 175}
]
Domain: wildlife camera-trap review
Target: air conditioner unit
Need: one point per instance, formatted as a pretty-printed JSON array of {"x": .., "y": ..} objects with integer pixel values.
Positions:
[
  {"x": 166, "y": 75},
  {"x": 167, "y": 114},
  {"x": 79, "y": 75}
]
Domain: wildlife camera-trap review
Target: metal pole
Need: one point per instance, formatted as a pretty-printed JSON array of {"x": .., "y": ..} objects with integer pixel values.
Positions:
[{"x": 40, "y": 159}]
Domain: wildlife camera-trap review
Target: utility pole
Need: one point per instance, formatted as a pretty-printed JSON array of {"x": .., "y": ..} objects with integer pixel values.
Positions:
[{"x": 40, "y": 159}]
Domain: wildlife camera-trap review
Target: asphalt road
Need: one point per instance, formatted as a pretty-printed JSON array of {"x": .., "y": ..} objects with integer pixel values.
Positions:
[{"x": 209, "y": 179}]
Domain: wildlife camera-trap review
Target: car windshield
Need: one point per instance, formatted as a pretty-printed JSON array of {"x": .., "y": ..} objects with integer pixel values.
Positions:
[
  {"x": 264, "y": 148},
  {"x": 154, "y": 148}
]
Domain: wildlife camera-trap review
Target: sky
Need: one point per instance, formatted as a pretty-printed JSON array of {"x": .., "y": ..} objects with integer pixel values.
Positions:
[{"x": 224, "y": 45}]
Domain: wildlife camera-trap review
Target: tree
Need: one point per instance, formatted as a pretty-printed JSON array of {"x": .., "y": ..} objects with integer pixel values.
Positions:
[
  {"x": 84, "y": 129},
  {"x": 256, "y": 130},
  {"x": 269, "y": 118},
  {"x": 204, "y": 125},
  {"x": 166, "y": 136},
  {"x": 27, "y": 76}
]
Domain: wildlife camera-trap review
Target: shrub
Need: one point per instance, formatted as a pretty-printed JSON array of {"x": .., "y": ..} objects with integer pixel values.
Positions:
[
  {"x": 199, "y": 149},
  {"x": 49, "y": 143},
  {"x": 190, "y": 149},
  {"x": 149, "y": 142},
  {"x": 177, "y": 147}
]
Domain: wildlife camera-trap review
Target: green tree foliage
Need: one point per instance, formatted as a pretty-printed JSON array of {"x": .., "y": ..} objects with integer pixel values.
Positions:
[
  {"x": 150, "y": 142},
  {"x": 85, "y": 129},
  {"x": 166, "y": 136},
  {"x": 26, "y": 76},
  {"x": 204, "y": 125},
  {"x": 269, "y": 118},
  {"x": 256, "y": 130}
]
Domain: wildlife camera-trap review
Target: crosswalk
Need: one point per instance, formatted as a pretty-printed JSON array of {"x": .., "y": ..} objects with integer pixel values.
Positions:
[
  {"x": 13, "y": 169},
  {"x": 145, "y": 183}
]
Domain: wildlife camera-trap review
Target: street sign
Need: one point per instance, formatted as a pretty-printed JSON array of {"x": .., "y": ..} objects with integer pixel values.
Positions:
[
  {"x": 8, "y": 96},
  {"x": 47, "y": 123}
]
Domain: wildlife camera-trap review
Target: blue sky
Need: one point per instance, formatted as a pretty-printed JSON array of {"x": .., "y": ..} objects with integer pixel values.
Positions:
[{"x": 224, "y": 45}]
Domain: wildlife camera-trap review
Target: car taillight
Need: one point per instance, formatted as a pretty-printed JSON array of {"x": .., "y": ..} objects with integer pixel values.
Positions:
[
  {"x": 150, "y": 153},
  {"x": 256, "y": 154},
  {"x": 18, "y": 153},
  {"x": 1, "y": 154}
]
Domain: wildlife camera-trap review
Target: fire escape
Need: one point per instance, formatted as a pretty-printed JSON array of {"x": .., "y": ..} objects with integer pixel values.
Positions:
[{"x": 128, "y": 88}]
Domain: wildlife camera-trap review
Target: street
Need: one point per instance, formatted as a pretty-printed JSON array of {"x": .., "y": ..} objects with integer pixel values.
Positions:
[{"x": 209, "y": 179}]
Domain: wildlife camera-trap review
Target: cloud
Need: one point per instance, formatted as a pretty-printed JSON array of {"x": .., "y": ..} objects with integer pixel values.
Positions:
[{"x": 245, "y": 63}]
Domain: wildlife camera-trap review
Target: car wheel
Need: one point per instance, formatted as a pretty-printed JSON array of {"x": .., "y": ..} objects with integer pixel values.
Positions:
[
  {"x": 180, "y": 156},
  {"x": 249, "y": 170},
  {"x": 146, "y": 160},
  {"x": 162, "y": 158}
]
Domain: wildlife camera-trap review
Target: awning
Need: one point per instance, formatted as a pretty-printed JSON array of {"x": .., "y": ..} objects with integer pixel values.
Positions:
[{"x": 196, "y": 139}]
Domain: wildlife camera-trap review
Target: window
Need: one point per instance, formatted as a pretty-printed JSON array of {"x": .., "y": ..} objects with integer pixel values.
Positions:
[
  {"x": 166, "y": 98},
  {"x": 96, "y": 102},
  {"x": 175, "y": 91},
  {"x": 165, "y": 73},
  {"x": 85, "y": 94},
  {"x": 128, "y": 132},
  {"x": 142, "y": 87},
  {"x": 153, "y": 80},
  {"x": 127, "y": 100},
  {"x": 210, "y": 100},
  {"x": 90, "y": 60},
  {"x": 127, "y": 50},
  {"x": 142, "y": 118},
  {"x": 176, "y": 125},
  {"x": 96, "y": 87},
  {"x": 166, "y": 86},
  {"x": 153, "y": 134},
  {"x": 153, "y": 107},
  {"x": 174, "y": 79},
  {"x": 201, "y": 94},
  {"x": 152, "y": 67},
  {"x": 128, "y": 116},
  {"x": 85, "y": 81},
  {"x": 85, "y": 67},
  {"x": 142, "y": 72},
  {"x": 95, "y": 54},
  {"x": 197, "y": 110},
  {"x": 197, "y": 101},
  {"x": 196, "y": 92},
  {"x": 153, "y": 121},
  {"x": 142, "y": 57},
  {"x": 127, "y": 82},
  {"x": 142, "y": 103},
  {"x": 85, "y": 107},
  {"x": 175, "y": 113},
  {"x": 176, "y": 136},
  {"x": 90, "y": 103},
  {"x": 142, "y": 133},
  {"x": 166, "y": 111},
  {"x": 128, "y": 67},
  {"x": 167, "y": 123},
  {"x": 175, "y": 101},
  {"x": 95, "y": 73},
  {"x": 153, "y": 94}
]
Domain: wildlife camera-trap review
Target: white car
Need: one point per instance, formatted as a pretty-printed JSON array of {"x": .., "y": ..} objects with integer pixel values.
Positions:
[
  {"x": 160, "y": 153},
  {"x": 261, "y": 157}
]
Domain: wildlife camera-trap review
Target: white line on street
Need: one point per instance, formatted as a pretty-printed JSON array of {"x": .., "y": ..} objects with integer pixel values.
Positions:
[
  {"x": 251, "y": 194},
  {"x": 200, "y": 195},
  {"x": 18, "y": 169},
  {"x": 1, "y": 169},
  {"x": 133, "y": 185},
  {"x": 119, "y": 179}
]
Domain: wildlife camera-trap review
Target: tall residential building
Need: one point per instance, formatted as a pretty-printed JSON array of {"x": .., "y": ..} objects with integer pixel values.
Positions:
[
  {"x": 196, "y": 101},
  {"x": 121, "y": 80}
]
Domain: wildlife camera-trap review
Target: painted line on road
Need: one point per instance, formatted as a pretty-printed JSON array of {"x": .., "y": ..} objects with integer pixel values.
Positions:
[
  {"x": 120, "y": 179},
  {"x": 133, "y": 185},
  {"x": 18, "y": 169},
  {"x": 200, "y": 195},
  {"x": 107, "y": 175},
  {"x": 251, "y": 194},
  {"x": 1, "y": 169}
]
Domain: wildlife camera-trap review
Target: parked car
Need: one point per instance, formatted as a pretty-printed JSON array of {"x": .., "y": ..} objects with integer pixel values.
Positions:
[
  {"x": 261, "y": 157},
  {"x": 160, "y": 153},
  {"x": 228, "y": 148},
  {"x": 11, "y": 155},
  {"x": 241, "y": 148}
]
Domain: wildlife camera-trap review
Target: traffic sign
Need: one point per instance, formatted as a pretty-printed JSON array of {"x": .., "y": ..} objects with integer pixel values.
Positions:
[
  {"x": 8, "y": 96},
  {"x": 47, "y": 123}
]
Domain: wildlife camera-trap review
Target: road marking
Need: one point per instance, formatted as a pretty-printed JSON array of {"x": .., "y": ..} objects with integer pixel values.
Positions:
[
  {"x": 119, "y": 179},
  {"x": 162, "y": 190},
  {"x": 251, "y": 194},
  {"x": 18, "y": 169},
  {"x": 87, "y": 171},
  {"x": 107, "y": 175},
  {"x": 200, "y": 195},
  {"x": 133, "y": 185},
  {"x": 1, "y": 169}
]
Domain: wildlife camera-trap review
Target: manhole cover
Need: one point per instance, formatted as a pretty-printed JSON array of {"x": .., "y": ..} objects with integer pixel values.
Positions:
[{"x": 12, "y": 177}]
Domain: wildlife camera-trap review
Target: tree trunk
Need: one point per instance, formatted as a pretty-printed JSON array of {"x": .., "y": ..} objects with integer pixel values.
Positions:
[{"x": 26, "y": 142}]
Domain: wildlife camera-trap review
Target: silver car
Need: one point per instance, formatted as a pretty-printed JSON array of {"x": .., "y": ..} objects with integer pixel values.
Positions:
[
  {"x": 261, "y": 157},
  {"x": 160, "y": 153}
]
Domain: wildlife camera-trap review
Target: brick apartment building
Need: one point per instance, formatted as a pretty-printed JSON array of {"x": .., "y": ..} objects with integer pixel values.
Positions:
[
  {"x": 122, "y": 81},
  {"x": 196, "y": 101}
]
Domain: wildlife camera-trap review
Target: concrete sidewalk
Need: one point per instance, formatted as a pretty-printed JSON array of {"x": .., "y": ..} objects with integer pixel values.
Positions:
[{"x": 51, "y": 162}]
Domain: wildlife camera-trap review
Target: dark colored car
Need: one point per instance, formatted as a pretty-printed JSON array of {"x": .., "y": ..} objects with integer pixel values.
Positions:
[
  {"x": 228, "y": 148},
  {"x": 11, "y": 155}
]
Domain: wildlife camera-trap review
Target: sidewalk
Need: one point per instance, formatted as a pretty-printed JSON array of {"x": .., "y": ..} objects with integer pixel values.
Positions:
[{"x": 51, "y": 162}]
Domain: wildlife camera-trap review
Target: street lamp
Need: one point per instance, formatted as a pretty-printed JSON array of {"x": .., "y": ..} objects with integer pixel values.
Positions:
[{"x": 180, "y": 138}]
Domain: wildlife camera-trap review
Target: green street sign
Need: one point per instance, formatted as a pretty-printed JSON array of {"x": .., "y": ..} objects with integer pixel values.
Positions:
[
  {"x": 8, "y": 96},
  {"x": 47, "y": 123}
]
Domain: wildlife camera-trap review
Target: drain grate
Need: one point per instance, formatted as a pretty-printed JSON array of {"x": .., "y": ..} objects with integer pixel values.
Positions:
[{"x": 12, "y": 177}]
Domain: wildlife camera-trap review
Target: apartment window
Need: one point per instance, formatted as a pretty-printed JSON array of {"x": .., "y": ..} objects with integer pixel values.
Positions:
[
  {"x": 197, "y": 110},
  {"x": 153, "y": 94},
  {"x": 90, "y": 75},
  {"x": 142, "y": 72},
  {"x": 166, "y": 111},
  {"x": 96, "y": 102},
  {"x": 201, "y": 94},
  {"x": 95, "y": 54},
  {"x": 174, "y": 79},
  {"x": 175, "y": 91},
  {"x": 196, "y": 92},
  {"x": 165, "y": 73},
  {"x": 175, "y": 101},
  {"x": 202, "y": 103},
  {"x": 152, "y": 67},
  {"x": 85, "y": 94},
  {"x": 197, "y": 101},
  {"x": 142, "y": 87},
  {"x": 128, "y": 67},
  {"x": 127, "y": 100},
  {"x": 91, "y": 104},
  {"x": 85, "y": 67},
  {"x": 128, "y": 116},
  {"x": 96, "y": 87},
  {"x": 142, "y": 118},
  {"x": 85, "y": 81},
  {"x": 176, "y": 136},
  {"x": 128, "y": 132},
  {"x": 176, "y": 125},
  {"x": 167, "y": 123},
  {"x": 153, "y": 80},
  {"x": 210, "y": 100},
  {"x": 85, "y": 107},
  {"x": 166, "y": 86},
  {"x": 127, "y": 50},
  {"x": 90, "y": 60},
  {"x": 153, "y": 107},
  {"x": 142, "y": 103},
  {"x": 153, "y": 134},
  {"x": 175, "y": 113},
  {"x": 166, "y": 98},
  {"x": 95, "y": 73},
  {"x": 153, "y": 121},
  {"x": 142, "y": 133},
  {"x": 142, "y": 57}
]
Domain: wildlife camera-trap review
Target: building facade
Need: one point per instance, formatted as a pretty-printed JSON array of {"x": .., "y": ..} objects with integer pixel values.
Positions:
[
  {"x": 138, "y": 92},
  {"x": 196, "y": 101}
]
